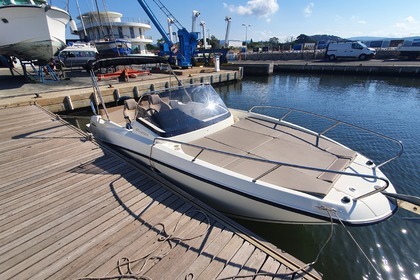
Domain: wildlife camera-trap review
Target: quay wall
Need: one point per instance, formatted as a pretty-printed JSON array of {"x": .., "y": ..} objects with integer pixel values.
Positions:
[
  {"x": 408, "y": 71},
  {"x": 70, "y": 100},
  {"x": 307, "y": 55}
]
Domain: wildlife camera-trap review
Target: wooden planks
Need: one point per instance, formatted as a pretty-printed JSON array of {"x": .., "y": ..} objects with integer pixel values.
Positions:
[{"x": 70, "y": 209}]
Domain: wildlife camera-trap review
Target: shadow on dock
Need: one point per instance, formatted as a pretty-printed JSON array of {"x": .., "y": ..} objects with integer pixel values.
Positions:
[{"x": 72, "y": 209}]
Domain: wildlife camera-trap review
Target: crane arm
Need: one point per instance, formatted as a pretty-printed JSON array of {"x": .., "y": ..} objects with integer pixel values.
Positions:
[
  {"x": 187, "y": 41},
  {"x": 156, "y": 22}
]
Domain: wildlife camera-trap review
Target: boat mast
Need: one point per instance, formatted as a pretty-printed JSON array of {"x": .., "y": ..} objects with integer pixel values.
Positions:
[
  {"x": 109, "y": 21},
  {"x": 99, "y": 19},
  {"x": 81, "y": 19}
]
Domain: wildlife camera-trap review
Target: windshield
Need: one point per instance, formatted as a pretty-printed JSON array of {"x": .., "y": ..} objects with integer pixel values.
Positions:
[
  {"x": 181, "y": 110},
  {"x": 362, "y": 44}
]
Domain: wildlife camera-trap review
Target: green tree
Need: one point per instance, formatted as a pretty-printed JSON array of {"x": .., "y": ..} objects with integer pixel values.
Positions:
[
  {"x": 252, "y": 44},
  {"x": 160, "y": 41},
  {"x": 302, "y": 38},
  {"x": 151, "y": 47},
  {"x": 274, "y": 41},
  {"x": 214, "y": 42}
]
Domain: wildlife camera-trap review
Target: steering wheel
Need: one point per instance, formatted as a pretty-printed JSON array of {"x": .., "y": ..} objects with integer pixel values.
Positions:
[{"x": 151, "y": 111}]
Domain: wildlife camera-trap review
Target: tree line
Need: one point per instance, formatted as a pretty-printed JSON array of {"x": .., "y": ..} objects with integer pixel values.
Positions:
[{"x": 273, "y": 43}]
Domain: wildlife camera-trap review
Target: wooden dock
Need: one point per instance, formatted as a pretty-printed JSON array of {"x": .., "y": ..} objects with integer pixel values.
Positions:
[{"x": 71, "y": 209}]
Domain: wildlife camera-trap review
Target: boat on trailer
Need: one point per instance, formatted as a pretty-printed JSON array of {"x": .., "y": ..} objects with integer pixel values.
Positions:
[{"x": 244, "y": 163}]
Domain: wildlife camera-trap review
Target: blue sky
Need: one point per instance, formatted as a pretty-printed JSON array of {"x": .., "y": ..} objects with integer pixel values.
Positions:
[{"x": 280, "y": 18}]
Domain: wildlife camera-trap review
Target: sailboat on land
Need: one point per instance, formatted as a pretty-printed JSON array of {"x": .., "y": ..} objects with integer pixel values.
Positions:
[{"x": 109, "y": 41}]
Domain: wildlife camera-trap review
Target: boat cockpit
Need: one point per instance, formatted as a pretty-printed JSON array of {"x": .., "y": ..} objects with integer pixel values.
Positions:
[{"x": 177, "y": 111}]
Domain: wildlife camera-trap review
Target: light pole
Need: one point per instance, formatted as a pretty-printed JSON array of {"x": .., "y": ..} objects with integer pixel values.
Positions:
[
  {"x": 246, "y": 37},
  {"x": 195, "y": 15}
]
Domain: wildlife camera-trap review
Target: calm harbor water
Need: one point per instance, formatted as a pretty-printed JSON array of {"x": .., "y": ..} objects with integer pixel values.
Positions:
[{"x": 387, "y": 105}]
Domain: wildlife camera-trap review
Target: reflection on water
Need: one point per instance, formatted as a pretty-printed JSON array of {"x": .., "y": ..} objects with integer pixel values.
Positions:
[
  {"x": 390, "y": 106},
  {"x": 79, "y": 119}
]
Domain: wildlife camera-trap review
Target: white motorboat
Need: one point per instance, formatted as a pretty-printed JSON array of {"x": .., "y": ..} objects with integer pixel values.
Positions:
[
  {"x": 244, "y": 163},
  {"x": 32, "y": 29}
]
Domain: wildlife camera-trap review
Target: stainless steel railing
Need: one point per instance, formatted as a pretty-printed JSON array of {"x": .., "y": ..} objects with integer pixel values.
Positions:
[
  {"x": 318, "y": 136},
  {"x": 277, "y": 164},
  {"x": 334, "y": 125}
]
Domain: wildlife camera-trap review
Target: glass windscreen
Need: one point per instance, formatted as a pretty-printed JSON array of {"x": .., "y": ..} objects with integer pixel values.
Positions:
[{"x": 182, "y": 110}]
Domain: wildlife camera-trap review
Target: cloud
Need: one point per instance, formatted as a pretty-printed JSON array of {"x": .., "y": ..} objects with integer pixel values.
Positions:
[
  {"x": 338, "y": 18},
  {"x": 260, "y": 8},
  {"x": 358, "y": 20},
  {"x": 407, "y": 23},
  {"x": 307, "y": 12},
  {"x": 410, "y": 19}
]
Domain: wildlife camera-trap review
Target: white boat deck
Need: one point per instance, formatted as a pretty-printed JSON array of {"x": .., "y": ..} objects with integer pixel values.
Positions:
[{"x": 261, "y": 139}]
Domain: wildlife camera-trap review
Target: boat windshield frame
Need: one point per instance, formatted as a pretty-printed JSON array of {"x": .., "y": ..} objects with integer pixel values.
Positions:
[
  {"x": 181, "y": 110},
  {"x": 23, "y": 2}
]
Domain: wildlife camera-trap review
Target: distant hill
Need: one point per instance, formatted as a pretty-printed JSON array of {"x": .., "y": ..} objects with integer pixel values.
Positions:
[
  {"x": 372, "y": 38},
  {"x": 324, "y": 37},
  {"x": 367, "y": 38}
]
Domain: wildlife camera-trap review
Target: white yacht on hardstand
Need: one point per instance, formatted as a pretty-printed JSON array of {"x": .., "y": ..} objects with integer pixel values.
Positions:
[
  {"x": 31, "y": 29},
  {"x": 244, "y": 163}
]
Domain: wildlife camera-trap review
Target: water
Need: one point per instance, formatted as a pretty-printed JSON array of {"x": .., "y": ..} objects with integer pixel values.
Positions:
[{"x": 389, "y": 106}]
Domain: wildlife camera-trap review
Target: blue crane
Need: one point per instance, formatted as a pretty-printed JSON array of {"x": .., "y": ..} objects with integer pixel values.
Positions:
[{"x": 187, "y": 40}]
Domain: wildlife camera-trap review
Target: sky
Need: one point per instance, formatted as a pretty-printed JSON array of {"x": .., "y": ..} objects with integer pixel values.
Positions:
[{"x": 284, "y": 19}]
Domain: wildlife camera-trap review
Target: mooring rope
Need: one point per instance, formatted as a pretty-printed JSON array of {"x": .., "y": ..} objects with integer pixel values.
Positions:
[
  {"x": 271, "y": 274},
  {"x": 358, "y": 246},
  {"x": 124, "y": 264}
]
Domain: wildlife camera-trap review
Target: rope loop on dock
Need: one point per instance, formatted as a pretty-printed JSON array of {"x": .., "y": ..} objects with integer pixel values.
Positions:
[{"x": 124, "y": 264}]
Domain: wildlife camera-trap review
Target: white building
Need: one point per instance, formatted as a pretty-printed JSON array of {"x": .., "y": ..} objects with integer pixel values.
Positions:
[
  {"x": 235, "y": 43},
  {"x": 102, "y": 24}
]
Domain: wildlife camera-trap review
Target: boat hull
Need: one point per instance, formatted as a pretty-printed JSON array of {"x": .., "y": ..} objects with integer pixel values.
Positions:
[
  {"x": 235, "y": 203},
  {"x": 113, "y": 48},
  {"x": 33, "y": 32},
  {"x": 219, "y": 191}
]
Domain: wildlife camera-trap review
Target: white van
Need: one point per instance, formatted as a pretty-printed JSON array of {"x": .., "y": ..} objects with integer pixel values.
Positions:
[
  {"x": 77, "y": 55},
  {"x": 353, "y": 49}
]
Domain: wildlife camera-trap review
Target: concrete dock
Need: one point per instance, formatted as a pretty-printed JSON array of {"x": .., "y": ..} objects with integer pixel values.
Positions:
[
  {"x": 77, "y": 92},
  {"x": 389, "y": 67},
  {"x": 71, "y": 209}
]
